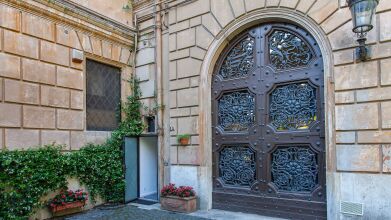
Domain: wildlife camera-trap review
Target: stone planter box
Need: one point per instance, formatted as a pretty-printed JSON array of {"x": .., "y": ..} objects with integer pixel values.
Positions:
[
  {"x": 179, "y": 204},
  {"x": 68, "y": 208}
]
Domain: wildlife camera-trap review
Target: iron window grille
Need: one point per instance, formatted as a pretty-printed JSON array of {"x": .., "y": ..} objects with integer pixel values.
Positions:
[{"x": 103, "y": 97}]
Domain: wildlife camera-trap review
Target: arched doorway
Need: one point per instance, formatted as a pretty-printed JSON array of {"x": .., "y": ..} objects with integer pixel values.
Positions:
[{"x": 268, "y": 124}]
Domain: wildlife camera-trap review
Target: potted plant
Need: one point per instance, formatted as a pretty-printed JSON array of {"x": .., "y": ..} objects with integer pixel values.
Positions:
[
  {"x": 181, "y": 199},
  {"x": 67, "y": 202},
  {"x": 183, "y": 139}
]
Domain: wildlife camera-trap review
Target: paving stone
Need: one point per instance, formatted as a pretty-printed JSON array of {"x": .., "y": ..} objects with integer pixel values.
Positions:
[{"x": 126, "y": 212}]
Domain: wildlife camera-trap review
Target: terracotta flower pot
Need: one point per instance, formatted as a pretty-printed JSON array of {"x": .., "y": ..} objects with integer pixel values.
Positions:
[
  {"x": 179, "y": 204},
  {"x": 184, "y": 141}
]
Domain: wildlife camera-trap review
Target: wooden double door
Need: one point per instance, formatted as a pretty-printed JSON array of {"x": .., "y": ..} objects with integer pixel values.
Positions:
[{"x": 268, "y": 124}]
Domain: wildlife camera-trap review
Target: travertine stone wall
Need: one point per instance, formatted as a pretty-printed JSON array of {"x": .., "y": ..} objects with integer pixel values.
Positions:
[
  {"x": 361, "y": 90},
  {"x": 42, "y": 91}
]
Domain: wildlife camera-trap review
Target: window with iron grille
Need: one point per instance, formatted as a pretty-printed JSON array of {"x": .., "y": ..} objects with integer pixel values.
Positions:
[{"x": 103, "y": 96}]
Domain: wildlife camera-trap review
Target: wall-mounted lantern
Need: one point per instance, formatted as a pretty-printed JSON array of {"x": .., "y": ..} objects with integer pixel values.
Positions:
[{"x": 362, "y": 16}]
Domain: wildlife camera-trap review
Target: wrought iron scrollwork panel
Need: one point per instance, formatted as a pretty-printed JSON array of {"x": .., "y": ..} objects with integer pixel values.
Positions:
[
  {"x": 294, "y": 169},
  {"x": 288, "y": 51},
  {"x": 239, "y": 60},
  {"x": 237, "y": 166},
  {"x": 293, "y": 106},
  {"x": 236, "y": 111}
]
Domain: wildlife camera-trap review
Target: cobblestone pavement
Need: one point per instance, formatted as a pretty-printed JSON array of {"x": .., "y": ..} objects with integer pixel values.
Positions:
[{"x": 130, "y": 212}]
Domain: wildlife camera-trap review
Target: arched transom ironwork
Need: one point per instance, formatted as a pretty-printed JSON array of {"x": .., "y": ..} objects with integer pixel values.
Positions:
[
  {"x": 294, "y": 169},
  {"x": 237, "y": 165},
  {"x": 239, "y": 60},
  {"x": 287, "y": 51},
  {"x": 293, "y": 106}
]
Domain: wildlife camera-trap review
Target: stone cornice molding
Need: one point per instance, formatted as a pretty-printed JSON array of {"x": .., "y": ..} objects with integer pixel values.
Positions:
[{"x": 64, "y": 11}]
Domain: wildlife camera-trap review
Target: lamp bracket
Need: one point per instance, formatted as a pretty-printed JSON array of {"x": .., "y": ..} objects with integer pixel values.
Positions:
[{"x": 363, "y": 52}]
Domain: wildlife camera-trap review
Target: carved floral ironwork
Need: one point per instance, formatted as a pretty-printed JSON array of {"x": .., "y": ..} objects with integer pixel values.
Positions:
[
  {"x": 237, "y": 165},
  {"x": 293, "y": 106},
  {"x": 239, "y": 60},
  {"x": 288, "y": 51},
  {"x": 236, "y": 111},
  {"x": 294, "y": 169}
]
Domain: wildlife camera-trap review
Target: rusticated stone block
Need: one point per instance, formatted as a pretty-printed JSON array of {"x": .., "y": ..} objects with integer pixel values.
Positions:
[
  {"x": 338, "y": 18},
  {"x": 67, "y": 37},
  {"x": 288, "y": 3},
  {"x": 186, "y": 38},
  {"x": 173, "y": 154},
  {"x": 125, "y": 55},
  {"x": 360, "y": 75},
  {"x": 203, "y": 37},
  {"x": 348, "y": 137},
  {"x": 188, "y": 67},
  {"x": 38, "y": 27},
  {"x": 221, "y": 9},
  {"x": 386, "y": 114},
  {"x": 21, "y": 92},
  {"x": 85, "y": 42},
  {"x": 237, "y": 7},
  {"x": 70, "y": 78},
  {"x": 189, "y": 155},
  {"x": 254, "y": 4},
  {"x": 16, "y": 139},
  {"x": 70, "y": 119},
  {"x": 10, "y": 115},
  {"x": 385, "y": 66},
  {"x": 116, "y": 52},
  {"x": 210, "y": 23},
  {"x": 187, "y": 97},
  {"x": 385, "y": 32},
  {"x": 37, "y": 71},
  {"x": 9, "y": 17},
  {"x": 188, "y": 125},
  {"x": 38, "y": 117},
  {"x": 366, "y": 95},
  {"x": 10, "y": 66},
  {"x": 379, "y": 137},
  {"x": 21, "y": 44},
  {"x": 386, "y": 158},
  {"x": 365, "y": 158},
  {"x": 53, "y": 96},
  {"x": 322, "y": 9},
  {"x": 179, "y": 84},
  {"x": 106, "y": 49},
  {"x": 96, "y": 46},
  {"x": 304, "y": 5},
  {"x": 81, "y": 138},
  {"x": 77, "y": 99},
  {"x": 1, "y": 89},
  {"x": 54, "y": 53},
  {"x": 193, "y": 9},
  {"x": 344, "y": 97},
  {"x": 352, "y": 117},
  {"x": 55, "y": 137}
]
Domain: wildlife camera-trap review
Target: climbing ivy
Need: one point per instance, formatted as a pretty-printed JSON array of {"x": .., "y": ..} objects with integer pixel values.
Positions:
[{"x": 27, "y": 176}]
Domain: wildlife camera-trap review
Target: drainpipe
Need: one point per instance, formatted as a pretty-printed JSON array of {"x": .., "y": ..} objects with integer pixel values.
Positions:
[{"x": 159, "y": 85}]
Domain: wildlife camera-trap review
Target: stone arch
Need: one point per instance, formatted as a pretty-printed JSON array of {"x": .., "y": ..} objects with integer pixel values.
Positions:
[{"x": 207, "y": 67}]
